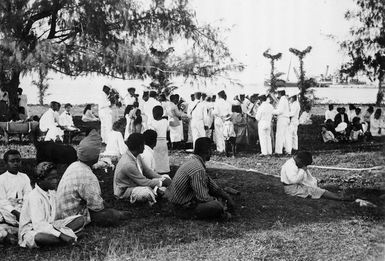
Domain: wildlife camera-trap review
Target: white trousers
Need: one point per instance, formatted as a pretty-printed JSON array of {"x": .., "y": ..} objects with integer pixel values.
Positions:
[
  {"x": 219, "y": 138},
  {"x": 264, "y": 129},
  {"x": 283, "y": 137},
  {"x": 197, "y": 130},
  {"x": 105, "y": 116},
  {"x": 176, "y": 133},
  {"x": 294, "y": 135}
]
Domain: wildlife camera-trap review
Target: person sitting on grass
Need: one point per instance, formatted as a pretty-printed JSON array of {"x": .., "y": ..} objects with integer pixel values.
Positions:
[
  {"x": 88, "y": 115},
  {"x": 147, "y": 156},
  {"x": 79, "y": 191},
  {"x": 14, "y": 186},
  {"x": 357, "y": 132},
  {"x": 133, "y": 179},
  {"x": 115, "y": 147},
  {"x": 193, "y": 193},
  {"x": 305, "y": 118},
  {"x": 327, "y": 135},
  {"x": 66, "y": 120},
  {"x": 297, "y": 180},
  {"x": 38, "y": 223}
]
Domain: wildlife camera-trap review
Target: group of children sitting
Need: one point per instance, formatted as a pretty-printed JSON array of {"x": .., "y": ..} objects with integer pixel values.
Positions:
[{"x": 354, "y": 125}]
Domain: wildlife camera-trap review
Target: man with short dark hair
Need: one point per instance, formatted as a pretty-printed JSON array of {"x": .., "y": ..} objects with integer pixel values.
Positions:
[
  {"x": 193, "y": 193},
  {"x": 297, "y": 180},
  {"x": 49, "y": 123},
  {"x": 133, "y": 179},
  {"x": 14, "y": 186}
]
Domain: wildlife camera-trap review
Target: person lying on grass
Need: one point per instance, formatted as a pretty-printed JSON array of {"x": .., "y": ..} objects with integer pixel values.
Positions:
[
  {"x": 133, "y": 179},
  {"x": 193, "y": 193},
  {"x": 297, "y": 180},
  {"x": 79, "y": 191},
  {"x": 38, "y": 226},
  {"x": 14, "y": 186}
]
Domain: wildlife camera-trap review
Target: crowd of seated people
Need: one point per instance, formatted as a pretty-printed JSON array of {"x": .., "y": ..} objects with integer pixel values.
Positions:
[{"x": 352, "y": 126}]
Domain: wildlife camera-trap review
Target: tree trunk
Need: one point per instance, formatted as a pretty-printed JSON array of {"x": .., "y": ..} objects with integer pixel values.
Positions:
[
  {"x": 380, "y": 93},
  {"x": 11, "y": 86}
]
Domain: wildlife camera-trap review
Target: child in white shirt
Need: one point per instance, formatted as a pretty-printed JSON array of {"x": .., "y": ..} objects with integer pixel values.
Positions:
[
  {"x": 38, "y": 226},
  {"x": 14, "y": 186},
  {"x": 297, "y": 180},
  {"x": 115, "y": 144}
]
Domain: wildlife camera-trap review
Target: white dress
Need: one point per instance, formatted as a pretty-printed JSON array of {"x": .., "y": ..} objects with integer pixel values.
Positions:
[{"x": 162, "y": 161}]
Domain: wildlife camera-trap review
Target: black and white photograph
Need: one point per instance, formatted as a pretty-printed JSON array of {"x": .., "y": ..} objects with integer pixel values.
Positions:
[{"x": 192, "y": 130}]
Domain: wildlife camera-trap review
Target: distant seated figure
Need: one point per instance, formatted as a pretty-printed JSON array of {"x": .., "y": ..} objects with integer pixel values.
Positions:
[
  {"x": 377, "y": 124},
  {"x": 79, "y": 191},
  {"x": 65, "y": 119},
  {"x": 193, "y": 193},
  {"x": 297, "y": 180},
  {"x": 331, "y": 113},
  {"x": 38, "y": 223},
  {"x": 357, "y": 132},
  {"x": 327, "y": 135},
  {"x": 88, "y": 115},
  {"x": 115, "y": 144},
  {"x": 305, "y": 118},
  {"x": 134, "y": 180},
  {"x": 341, "y": 117},
  {"x": 14, "y": 187},
  {"x": 49, "y": 123},
  {"x": 147, "y": 155}
]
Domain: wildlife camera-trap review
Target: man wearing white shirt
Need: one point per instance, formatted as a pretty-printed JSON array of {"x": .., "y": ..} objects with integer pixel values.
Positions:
[
  {"x": 130, "y": 97},
  {"x": 49, "y": 123},
  {"x": 294, "y": 121},
  {"x": 264, "y": 116},
  {"x": 147, "y": 155},
  {"x": 65, "y": 118},
  {"x": 331, "y": 113},
  {"x": 105, "y": 113},
  {"x": 282, "y": 137},
  {"x": 14, "y": 186},
  {"x": 149, "y": 105},
  {"x": 221, "y": 109},
  {"x": 198, "y": 114}
]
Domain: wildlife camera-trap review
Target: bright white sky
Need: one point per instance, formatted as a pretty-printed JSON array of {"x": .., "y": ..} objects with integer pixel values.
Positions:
[
  {"x": 280, "y": 24},
  {"x": 255, "y": 26}
]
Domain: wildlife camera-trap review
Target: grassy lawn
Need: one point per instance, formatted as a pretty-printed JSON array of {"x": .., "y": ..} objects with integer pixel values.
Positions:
[{"x": 269, "y": 224}]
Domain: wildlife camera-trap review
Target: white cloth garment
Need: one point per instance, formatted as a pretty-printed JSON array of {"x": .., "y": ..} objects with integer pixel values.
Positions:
[
  {"x": 89, "y": 116},
  {"x": 13, "y": 189},
  {"x": 301, "y": 182},
  {"x": 330, "y": 115},
  {"x": 198, "y": 114},
  {"x": 148, "y": 157},
  {"x": 115, "y": 144},
  {"x": 263, "y": 116},
  {"x": 147, "y": 108},
  {"x": 221, "y": 109},
  {"x": 162, "y": 161},
  {"x": 49, "y": 123},
  {"x": 294, "y": 122},
  {"x": 128, "y": 99},
  {"x": 66, "y": 120},
  {"x": 305, "y": 118},
  {"x": 38, "y": 216},
  {"x": 105, "y": 116},
  {"x": 282, "y": 137}
]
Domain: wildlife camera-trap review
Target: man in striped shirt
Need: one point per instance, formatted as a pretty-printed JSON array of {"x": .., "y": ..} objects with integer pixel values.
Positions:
[{"x": 193, "y": 193}]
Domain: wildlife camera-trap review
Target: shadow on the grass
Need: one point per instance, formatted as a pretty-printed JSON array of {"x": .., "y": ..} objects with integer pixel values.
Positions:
[{"x": 262, "y": 205}]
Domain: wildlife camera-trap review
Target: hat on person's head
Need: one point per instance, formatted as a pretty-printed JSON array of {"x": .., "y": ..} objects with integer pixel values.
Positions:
[
  {"x": 43, "y": 169},
  {"x": 221, "y": 93},
  {"x": 131, "y": 89},
  {"x": 67, "y": 105},
  {"x": 227, "y": 117},
  {"x": 89, "y": 147}
]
